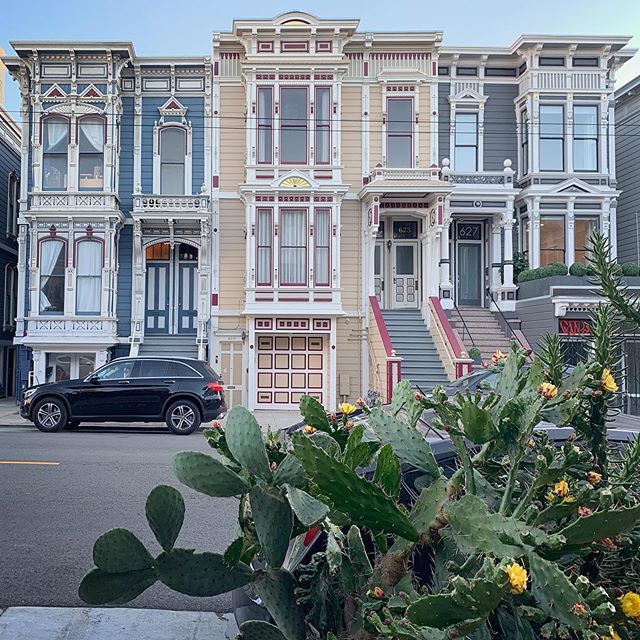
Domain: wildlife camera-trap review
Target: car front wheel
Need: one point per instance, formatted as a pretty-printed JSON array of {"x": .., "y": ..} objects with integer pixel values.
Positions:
[
  {"x": 50, "y": 415},
  {"x": 183, "y": 417}
]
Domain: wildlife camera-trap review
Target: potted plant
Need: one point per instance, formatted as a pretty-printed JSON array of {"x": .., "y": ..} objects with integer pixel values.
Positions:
[{"x": 475, "y": 355}]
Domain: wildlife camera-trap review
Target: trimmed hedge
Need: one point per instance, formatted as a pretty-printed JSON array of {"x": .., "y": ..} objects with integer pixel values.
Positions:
[
  {"x": 579, "y": 269},
  {"x": 576, "y": 269},
  {"x": 630, "y": 269},
  {"x": 553, "y": 269}
]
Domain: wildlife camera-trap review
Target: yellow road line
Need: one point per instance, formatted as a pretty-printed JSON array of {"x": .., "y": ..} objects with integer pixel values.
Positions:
[{"x": 55, "y": 464}]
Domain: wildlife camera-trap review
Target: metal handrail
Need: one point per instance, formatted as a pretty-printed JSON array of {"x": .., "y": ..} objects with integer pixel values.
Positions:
[
  {"x": 464, "y": 324},
  {"x": 506, "y": 323}
]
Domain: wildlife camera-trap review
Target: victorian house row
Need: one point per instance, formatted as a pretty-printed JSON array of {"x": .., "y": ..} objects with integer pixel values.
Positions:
[{"x": 267, "y": 205}]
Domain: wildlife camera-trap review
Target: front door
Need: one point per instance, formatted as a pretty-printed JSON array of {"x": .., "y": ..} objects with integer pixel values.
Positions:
[
  {"x": 171, "y": 288},
  {"x": 405, "y": 275},
  {"x": 470, "y": 274}
]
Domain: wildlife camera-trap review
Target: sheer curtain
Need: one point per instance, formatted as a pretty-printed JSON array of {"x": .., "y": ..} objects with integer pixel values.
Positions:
[
  {"x": 56, "y": 133},
  {"x": 93, "y": 130},
  {"x": 293, "y": 251},
  {"x": 88, "y": 277},
  {"x": 49, "y": 252},
  {"x": 322, "y": 235}
]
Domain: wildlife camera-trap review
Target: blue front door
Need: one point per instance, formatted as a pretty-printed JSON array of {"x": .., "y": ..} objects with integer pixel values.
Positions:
[
  {"x": 171, "y": 305},
  {"x": 187, "y": 308},
  {"x": 158, "y": 292}
]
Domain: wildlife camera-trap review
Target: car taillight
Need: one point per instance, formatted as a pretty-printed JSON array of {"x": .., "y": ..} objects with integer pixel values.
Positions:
[{"x": 216, "y": 387}]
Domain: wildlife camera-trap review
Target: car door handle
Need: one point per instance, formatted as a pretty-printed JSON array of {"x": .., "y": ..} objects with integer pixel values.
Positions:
[
  {"x": 123, "y": 382},
  {"x": 169, "y": 381}
]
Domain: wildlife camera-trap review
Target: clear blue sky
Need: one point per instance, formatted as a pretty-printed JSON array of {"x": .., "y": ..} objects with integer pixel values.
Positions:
[{"x": 184, "y": 27}]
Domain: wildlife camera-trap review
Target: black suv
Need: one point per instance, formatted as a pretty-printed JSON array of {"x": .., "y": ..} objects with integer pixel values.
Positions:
[{"x": 181, "y": 391}]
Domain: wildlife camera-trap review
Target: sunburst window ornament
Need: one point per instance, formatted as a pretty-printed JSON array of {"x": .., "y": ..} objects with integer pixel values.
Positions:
[{"x": 294, "y": 182}]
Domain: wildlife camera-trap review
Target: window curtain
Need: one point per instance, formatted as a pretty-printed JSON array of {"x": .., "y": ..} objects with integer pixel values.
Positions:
[
  {"x": 322, "y": 248},
  {"x": 49, "y": 252},
  {"x": 56, "y": 133},
  {"x": 93, "y": 133},
  {"x": 294, "y": 247},
  {"x": 88, "y": 277}
]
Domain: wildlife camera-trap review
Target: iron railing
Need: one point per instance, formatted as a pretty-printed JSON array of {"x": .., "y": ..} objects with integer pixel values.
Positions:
[
  {"x": 464, "y": 325},
  {"x": 506, "y": 324}
]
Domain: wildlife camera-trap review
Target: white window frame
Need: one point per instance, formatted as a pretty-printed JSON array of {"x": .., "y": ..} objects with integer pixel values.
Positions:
[
  {"x": 411, "y": 98},
  {"x": 38, "y": 301},
  {"x": 78, "y": 126},
  {"x": 157, "y": 132},
  {"x": 464, "y": 112},
  {"x": 562, "y": 137},
  {"x": 597, "y": 137},
  {"x": 78, "y": 243},
  {"x": 70, "y": 178}
]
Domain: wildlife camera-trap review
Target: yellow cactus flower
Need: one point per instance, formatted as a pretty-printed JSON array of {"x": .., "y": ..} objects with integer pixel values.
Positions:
[
  {"x": 630, "y": 603},
  {"x": 346, "y": 408},
  {"x": 561, "y": 489},
  {"x": 612, "y": 635},
  {"x": 517, "y": 578},
  {"x": 593, "y": 477},
  {"x": 309, "y": 429},
  {"x": 550, "y": 496},
  {"x": 548, "y": 390},
  {"x": 607, "y": 381},
  {"x": 498, "y": 356}
]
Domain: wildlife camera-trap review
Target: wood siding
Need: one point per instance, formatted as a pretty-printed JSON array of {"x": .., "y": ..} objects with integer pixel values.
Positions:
[
  {"x": 232, "y": 136},
  {"x": 351, "y": 133},
  {"x": 232, "y": 255}
]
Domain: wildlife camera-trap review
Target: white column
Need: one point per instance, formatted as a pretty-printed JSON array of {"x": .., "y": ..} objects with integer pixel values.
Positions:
[
  {"x": 496, "y": 254},
  {"x": 137, "y": 133},
  {"x": 568, "y": 152},
  {"x": 446, "y": 288},
  {"x": 570, "y": 236},
  {"x": 507, "y": 261},
  {"x": 613, "y": 226},
  {"x": 534, "y": 235}
]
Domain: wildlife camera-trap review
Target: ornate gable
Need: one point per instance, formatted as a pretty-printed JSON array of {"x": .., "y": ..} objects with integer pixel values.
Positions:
[
  {"x": 55, "y": 92},
  {"x": 173, "y": 107},
  {"x": 92, "y": 93}
]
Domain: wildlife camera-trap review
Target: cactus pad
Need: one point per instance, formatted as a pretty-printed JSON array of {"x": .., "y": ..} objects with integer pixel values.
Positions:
[
  {"x": 99, "y": 587},
  {"x": 365, "y": 503},
  {"x": 388, "y": 473},
  {"x": 207, "y": 475},
  {"x": 276, "y": 589},
  {"x": 313, "y": 413},
  {"x": 307, "y": 509},
  {"x": 119, "y": 551},
  {"x": 260, "y": 630},
  {"x": 290, "y": 471},
  {"x": 244, "y": 439},
  {"x": 408, "y": 444},
  {"x": 165, "y": 514},
  {"x": 200, "y": 574},
  {"x": 274, "y": 522},
  {"x": 600, "y": 525}
]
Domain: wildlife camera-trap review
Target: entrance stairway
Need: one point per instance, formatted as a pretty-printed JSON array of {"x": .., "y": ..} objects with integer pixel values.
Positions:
[
  {"x": 182, "y": 346},
  {"x": 412, "y": 341},
  {"x": 482, "y": 329}
]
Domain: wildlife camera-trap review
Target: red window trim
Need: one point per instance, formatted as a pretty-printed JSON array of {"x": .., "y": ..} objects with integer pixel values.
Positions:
[
  {"x": 316, "y": 246},
  {"x": 322, "y": 127},
  {"x": 305, "y": 246},
  {"x": 305, "y": 124},
  {"x": 391, "y": 135},
  {"x": 86, "y": 239},
  {"x": 269, "y": 246},
  {"x": 267, "y": 127}
]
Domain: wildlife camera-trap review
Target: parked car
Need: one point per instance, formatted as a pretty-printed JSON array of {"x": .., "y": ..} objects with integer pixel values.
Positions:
[{"x": 182, "y": 392}]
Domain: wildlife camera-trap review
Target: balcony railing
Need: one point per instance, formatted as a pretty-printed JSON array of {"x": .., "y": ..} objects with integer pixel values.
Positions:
[
  {"x": 564, "y": 80},
  {"x": 502, "y": 178},
  {"x": 409, "y": 173},
  {"x": 161, "y": 204},
  {"x": 64, "y": 201},
  {"x": 76, "y": 326}
]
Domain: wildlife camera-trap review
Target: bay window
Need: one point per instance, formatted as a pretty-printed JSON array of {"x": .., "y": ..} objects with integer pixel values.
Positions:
[
  {"x": 585, "y": 138},
  {"x": 91, "y": 131},
  {"x": 322, "y": 145},
  {"x": 466, "y": 142},
  {"x": 264, "y": 247},
  {"x": 293, "y": 125},
  {"x": 173, "y": 149},
  {"x": 399, "y": 132},
  {"x": 322, "y": 247},
  {"x": 293, "y": 247},
  {"x": 53, "y": 258},
  {"x": 55, "y": 148},
  {"x": 265, "y": 125},
  {"x": 552, "y": 240},
  {"x": 88, "y": 276},
  {"x": 551, "y": 137},
  {"x": 582, "y": 229}
]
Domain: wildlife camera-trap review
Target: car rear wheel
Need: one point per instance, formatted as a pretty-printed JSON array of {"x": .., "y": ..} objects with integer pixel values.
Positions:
[
  {"x": 183, "y": 417},
  {"x": 50, "y": 415}
]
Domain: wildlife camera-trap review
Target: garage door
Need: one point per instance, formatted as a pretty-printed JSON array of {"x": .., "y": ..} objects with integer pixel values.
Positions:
[{"x": 290, "y": 367}]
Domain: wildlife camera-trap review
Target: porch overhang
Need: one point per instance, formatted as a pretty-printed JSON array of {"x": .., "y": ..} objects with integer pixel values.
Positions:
[{"x": 409, "y": 188}]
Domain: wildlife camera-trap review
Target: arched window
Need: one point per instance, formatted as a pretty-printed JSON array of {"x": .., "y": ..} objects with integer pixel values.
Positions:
[
  {"x": 53, "y": 256},
  {"x": 173, "y": 147},
  {"x": 91, "y": 149},
  {"x": 88, "y": 276},
  {"x": 55, "y": 147}
]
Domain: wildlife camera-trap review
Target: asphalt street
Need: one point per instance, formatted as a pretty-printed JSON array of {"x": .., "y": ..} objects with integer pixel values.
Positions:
[{"x": 50, "y": 515}]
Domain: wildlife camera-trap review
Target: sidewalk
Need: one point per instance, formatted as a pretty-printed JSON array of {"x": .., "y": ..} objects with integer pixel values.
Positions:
[{"x": 65, "y": 623}]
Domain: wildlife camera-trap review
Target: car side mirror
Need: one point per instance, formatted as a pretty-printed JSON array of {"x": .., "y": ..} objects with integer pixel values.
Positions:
[{"x": 94, "y": 379}]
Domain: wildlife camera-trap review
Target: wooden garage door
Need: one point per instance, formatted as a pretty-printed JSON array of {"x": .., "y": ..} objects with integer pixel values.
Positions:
[{"x": 290, "y": 367}]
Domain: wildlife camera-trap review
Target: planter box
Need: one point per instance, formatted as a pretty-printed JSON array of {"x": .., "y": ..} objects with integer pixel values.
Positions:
[{"x": 542, "y": 287}]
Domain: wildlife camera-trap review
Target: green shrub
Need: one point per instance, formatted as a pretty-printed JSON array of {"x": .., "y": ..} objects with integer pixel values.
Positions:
[
  {"x": 630, "y": 269},
  {"x": 578, "y": 269},
  {"x": 555, "y": 269},
  {"x": 520, "y": 264}
]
